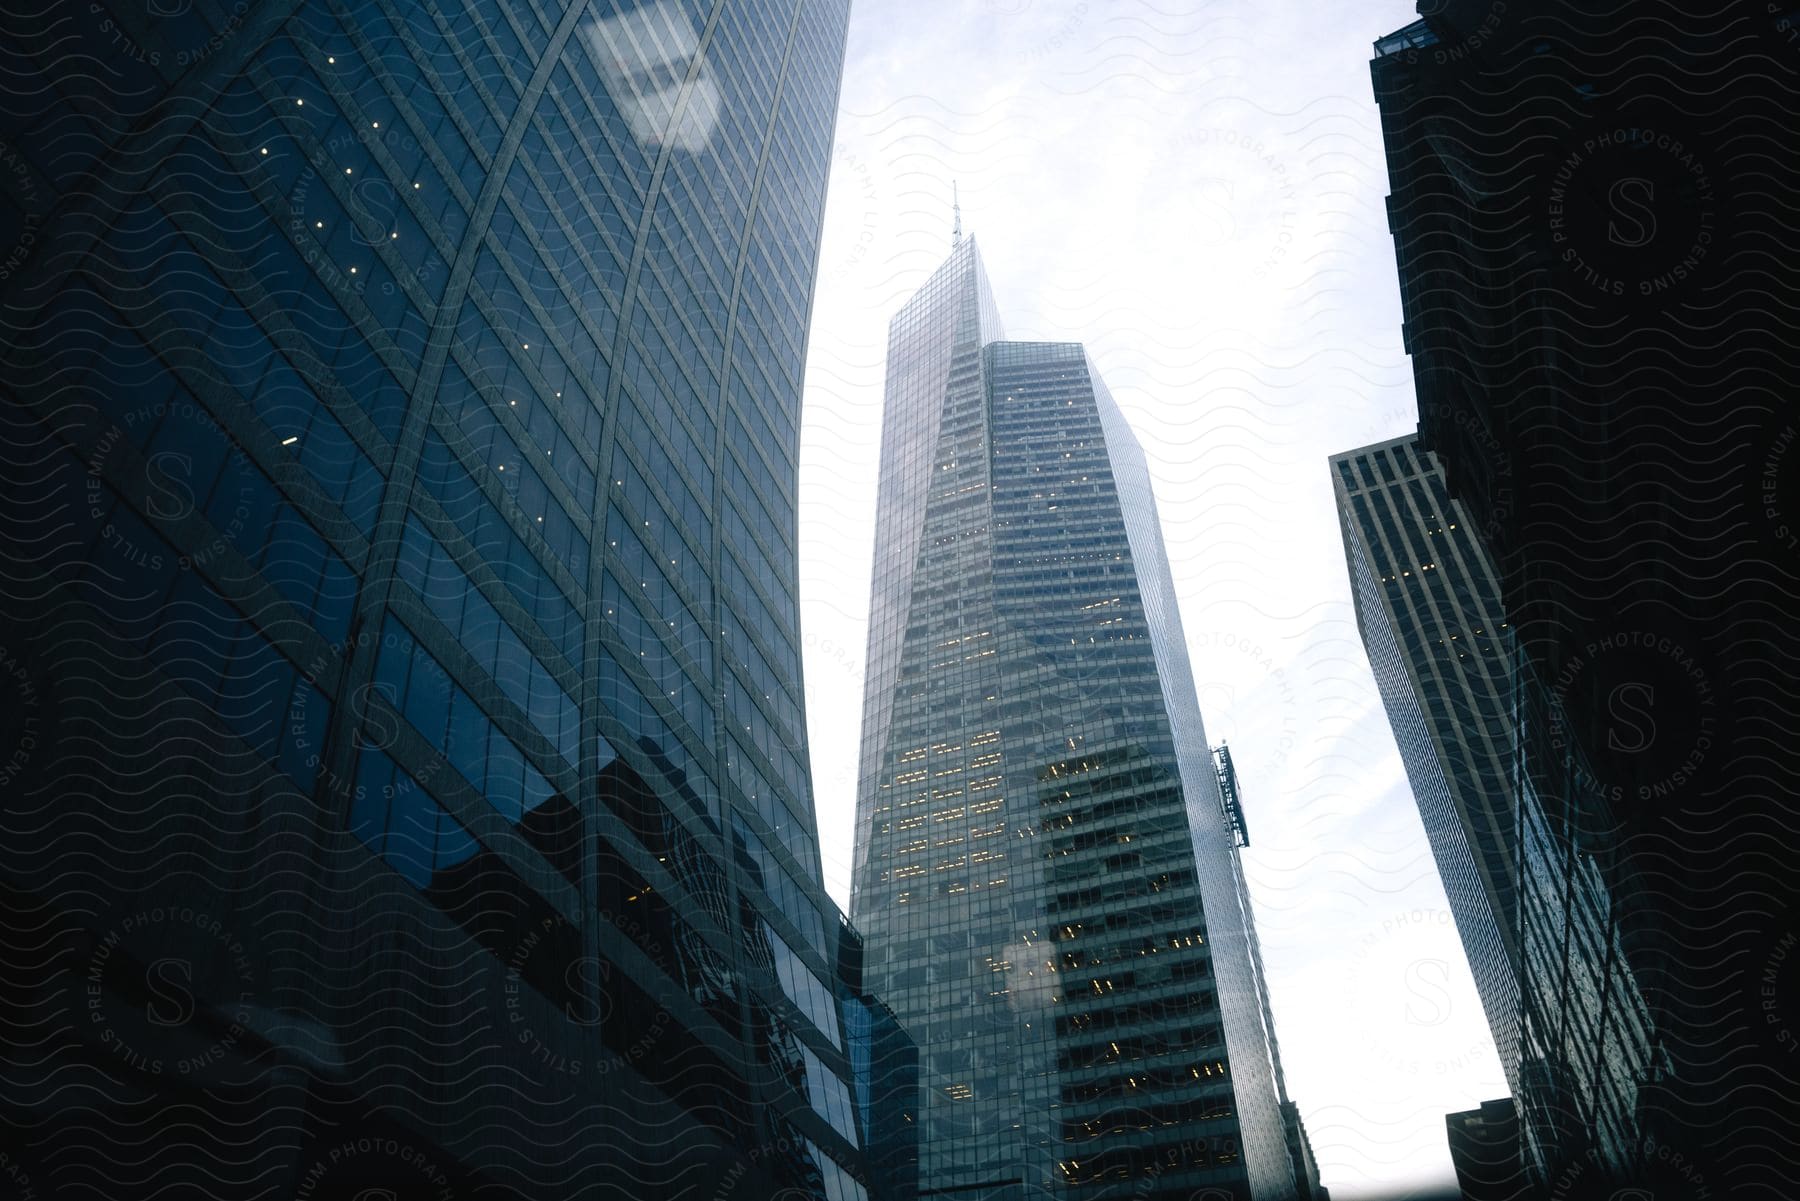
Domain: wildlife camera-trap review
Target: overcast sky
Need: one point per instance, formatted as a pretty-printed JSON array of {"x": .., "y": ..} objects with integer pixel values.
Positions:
[{"x": 1196, "y": 192}]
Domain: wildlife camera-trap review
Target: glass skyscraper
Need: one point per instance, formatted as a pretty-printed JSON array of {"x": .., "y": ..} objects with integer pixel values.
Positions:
[
  {"x": 1044, "y": 869},
  {"x": 409, "y": 787}
]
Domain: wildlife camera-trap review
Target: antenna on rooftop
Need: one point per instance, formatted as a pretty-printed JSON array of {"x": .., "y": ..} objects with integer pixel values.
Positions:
[{"x": 956, "y": 207}]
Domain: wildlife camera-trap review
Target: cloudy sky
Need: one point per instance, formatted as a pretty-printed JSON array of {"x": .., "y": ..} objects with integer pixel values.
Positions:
[{"x": 1197, "y": 192}]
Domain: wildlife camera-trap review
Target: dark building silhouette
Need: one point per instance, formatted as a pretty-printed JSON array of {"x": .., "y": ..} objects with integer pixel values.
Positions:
[
  {"x": 1484, "y": 1146},
  {"x": 1045, "y": 870},
  {"x": 1591, "y": 209},
  {"x": 408, "y": 788}
]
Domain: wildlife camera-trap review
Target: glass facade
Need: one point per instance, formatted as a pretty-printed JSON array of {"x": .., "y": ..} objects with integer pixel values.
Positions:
[
  {"x": 1044, "y": 874},
  {"x": 1589, "y": 1055},
  {"x": 885, "y": 1063},
  {"x": 399, "y": 467}
]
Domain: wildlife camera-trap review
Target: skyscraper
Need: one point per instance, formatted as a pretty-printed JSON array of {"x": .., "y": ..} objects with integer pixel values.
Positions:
[
  {"x": 1598, "y": 305},
  {"x": 399, "y": 463},
  {"x": 1429, "y": 611},
  {"x": 1044, "y": 873},
  {"x": 1568, "y": 1017}
]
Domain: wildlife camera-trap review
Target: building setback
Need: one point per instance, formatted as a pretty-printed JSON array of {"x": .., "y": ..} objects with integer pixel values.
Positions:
[
  {"x": 398, "y": 470},
  {"x": 1599, "y": 308},
  {"x": 1039, "y": 825}
]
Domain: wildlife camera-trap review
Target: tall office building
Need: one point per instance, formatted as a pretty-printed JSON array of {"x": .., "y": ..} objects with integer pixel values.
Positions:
[
  {"x": 1429, "y": 611},
  {"x": 1598, "y": 308},
  {"x": 1568, "y": 1017},
  {"x": 410, "y": 790},
  {"x": 1044, "y": 873}
]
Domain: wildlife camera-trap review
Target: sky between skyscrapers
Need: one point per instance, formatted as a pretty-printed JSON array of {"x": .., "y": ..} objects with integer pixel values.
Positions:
[{"x": 1197, "y": 196}]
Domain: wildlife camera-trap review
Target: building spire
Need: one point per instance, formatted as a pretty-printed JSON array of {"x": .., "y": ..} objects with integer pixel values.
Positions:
[{"x": 956, "y": 207}]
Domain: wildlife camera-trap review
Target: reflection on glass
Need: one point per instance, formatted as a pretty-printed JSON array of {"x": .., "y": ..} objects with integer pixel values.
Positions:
[{"x": 650, "y": 57}]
